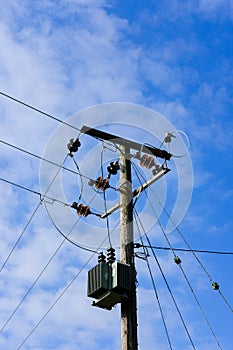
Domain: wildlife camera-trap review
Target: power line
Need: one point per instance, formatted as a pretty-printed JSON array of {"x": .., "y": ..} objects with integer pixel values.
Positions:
[
  {"x": 81, "y": 179},
  {"x": 49, "y": 197},
  {"x": 154, "y": 287},
  {"x": 31, "y": 287},
  {"x": 65, "y": 289},
  {"x": 38, "y": 110},
  {"x": 55, "y": 302},
  {"x": 42, "y": 196},
  {"x": 38, "y": 157},
  {"x": 166, "y": 282},
  {"x": 45, "y": 267},
  {"x": 187, "y": 250},
  {"x": 66, "y": 238},
  {"x": 85, "y": 249},
  {"x": 20, "y": 236},
  {"x": 41, "y": 199},
  {"x": 33, "y": 214},
  {"x": 47, "y": 160},
  {"x": 195, "y": 256},
  {"x": 33, "y": 191},
  {"x": 184, "y": 239},
  {"x": 83, "y": 130},
  {"x": 53, "y": 255},
  {"x": 37, "y": 279},
  {"x": 105, "y": 202},
  {"x": 200, "y": 307},
  {"x": 184, "y": 274},
  {"x": 53, "y": 200}
]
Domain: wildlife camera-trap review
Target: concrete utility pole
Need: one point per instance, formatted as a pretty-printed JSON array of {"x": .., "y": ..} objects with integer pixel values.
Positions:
[{"x": 129, "y": 339}]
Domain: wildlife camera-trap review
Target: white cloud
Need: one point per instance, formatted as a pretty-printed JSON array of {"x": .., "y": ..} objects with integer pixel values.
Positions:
[
  {"x": 62, "y": 57},
  {"x": 215, "y": 9}
]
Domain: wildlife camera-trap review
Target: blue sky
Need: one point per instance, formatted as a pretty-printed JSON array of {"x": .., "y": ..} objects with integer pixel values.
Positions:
[{"x": 173, "y": 57}]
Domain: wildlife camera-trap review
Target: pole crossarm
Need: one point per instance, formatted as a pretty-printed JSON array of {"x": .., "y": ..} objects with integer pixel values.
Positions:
[
  {"x": 138, "y": 190},
  {"x": 125, "y": 142}
]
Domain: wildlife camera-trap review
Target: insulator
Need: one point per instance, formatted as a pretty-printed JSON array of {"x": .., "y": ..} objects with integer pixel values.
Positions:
[
  {"x": 147, "y": 161},
  {"x": 101, "y": 257},
  {"x": 177, "y": 260},
  {"x": 150, "y": 162},
  {"x": 91, "y": 182},
  {"x": 156, "y": 169},
  {"x": 83, "y": 210},
  {"x": 101, "y": 183},
  {"x": 111, "y": 255},
  {"x": 73, "y": 145},
  {"x": 113, "y": 168},
  {"x": 98, "y": 182},
  {"x": 168, "y": 137},
  {"x": 137, "y": 155},
  {"x": 143, "y": 160},
  {"x": 105, "y": 184},
  {"x": 74, "y": 205},
  {"x": 215, "y": 285},
  {"x": 87, "y": 211}
]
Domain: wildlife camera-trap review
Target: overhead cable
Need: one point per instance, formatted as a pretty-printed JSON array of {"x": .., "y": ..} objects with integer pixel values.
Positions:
[
  {"x": 38, "y": 157},
  {"x": 55, "y": 302},
  {"x": 66, "y": 238},
  {"x": 20, "y": 236},
  {"x": 33, "y": 191},
  {"x": 46, "y": 160},
  {"x": 41, "y": 199},
  {"x": 31, "y": 287},
  {"x": 105, "y": 202},
  {"x": 81, "y": 179},
  {"x": 154, "y": 287},
  {"x": 38, "y": 110},
  {"x": 167, "y": 285},
  {"x": 64, "y": 291},
  {"x": 186, "y": 242},
  {"x": 32, "y": 216},
  {"x": 178, "y": 261},
  {"x": 189, "y": 250}
]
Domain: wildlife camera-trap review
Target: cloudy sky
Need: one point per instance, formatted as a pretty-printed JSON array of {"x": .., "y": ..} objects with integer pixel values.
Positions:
[{"x": 63, "y": 57}]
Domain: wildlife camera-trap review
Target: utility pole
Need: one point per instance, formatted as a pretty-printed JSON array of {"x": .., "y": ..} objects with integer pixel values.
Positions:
[{"x": 129, "y": 339}]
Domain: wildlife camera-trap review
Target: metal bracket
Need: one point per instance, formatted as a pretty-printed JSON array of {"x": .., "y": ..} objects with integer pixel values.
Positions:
[{"x": 138, "y": 190}]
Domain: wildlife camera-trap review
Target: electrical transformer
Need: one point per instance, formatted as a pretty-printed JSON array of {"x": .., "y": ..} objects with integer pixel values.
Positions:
[
  {"x": 109, "y": 284},
  {"x": 98, "y": 280},
  {"x": 121, "y": 277}
]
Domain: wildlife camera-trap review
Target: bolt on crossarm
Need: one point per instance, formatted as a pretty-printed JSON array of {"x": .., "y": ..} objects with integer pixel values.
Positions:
[{"x": 128, "y": 306}]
